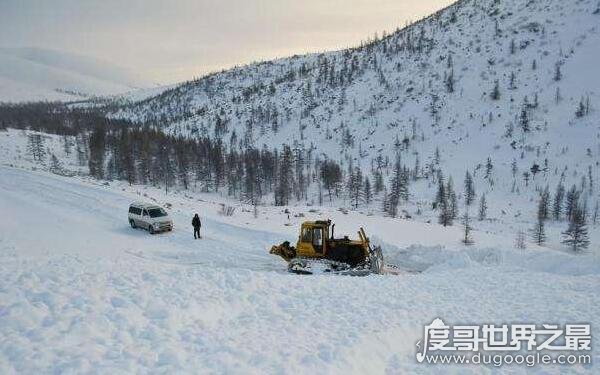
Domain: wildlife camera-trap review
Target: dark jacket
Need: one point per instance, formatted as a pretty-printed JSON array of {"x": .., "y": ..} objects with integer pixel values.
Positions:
[{"x": 196, "y": 222}]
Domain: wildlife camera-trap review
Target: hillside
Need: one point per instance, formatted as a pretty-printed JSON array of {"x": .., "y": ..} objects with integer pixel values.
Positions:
[
  {"x": 425, "y": 87},
  {"x": 34, "y": 74}
]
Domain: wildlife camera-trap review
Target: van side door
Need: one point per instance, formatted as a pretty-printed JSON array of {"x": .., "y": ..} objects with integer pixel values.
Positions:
[
  {"x": 137, "y": 216},
  {"x": 145, "y": 217}
]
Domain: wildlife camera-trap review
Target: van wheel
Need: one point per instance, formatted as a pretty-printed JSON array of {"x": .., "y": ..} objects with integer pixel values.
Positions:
[
  {"x": 132, "y": 223},
  {"x": 150, "y": 229}
]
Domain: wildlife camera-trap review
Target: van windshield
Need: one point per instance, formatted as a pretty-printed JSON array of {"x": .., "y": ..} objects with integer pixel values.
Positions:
[{"x": 157, "y": 212}]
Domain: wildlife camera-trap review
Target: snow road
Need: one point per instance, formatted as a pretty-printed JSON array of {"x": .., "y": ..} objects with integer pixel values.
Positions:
[{"x": 80, "y": 291}]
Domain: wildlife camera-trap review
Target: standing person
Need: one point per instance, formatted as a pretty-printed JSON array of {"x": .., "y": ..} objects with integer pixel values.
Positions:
[{"x": 196, "y": 224}]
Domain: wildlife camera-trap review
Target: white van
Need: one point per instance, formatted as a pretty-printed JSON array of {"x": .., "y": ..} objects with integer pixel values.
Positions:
[{"x": 149, "y": 216}]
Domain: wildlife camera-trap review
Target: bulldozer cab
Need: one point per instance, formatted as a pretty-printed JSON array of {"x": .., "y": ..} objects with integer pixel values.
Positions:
[{"x": 314, "y": 236}]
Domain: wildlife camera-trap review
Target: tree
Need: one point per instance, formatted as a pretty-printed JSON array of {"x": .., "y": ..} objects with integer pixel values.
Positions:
[
  {"x": 55, "y": 166},
  {"x": 127, "y": 160},
  {"x": 355, "y": 186},
  {"x": 97, "y": 143},
  {"x": 450, "y": 81},
  {"x": 524, "y": 121},
  {"x": 526, "y": 176},
  {"x": 368, "y": 194},
  {"x": 385, "y": 203},
  {"x": 81, "y": 151},
  {"x": 331, "y": 175},
  {"x": 445, "y": 216},
  {"x": 67, "y": 145},
  {"x": 512, "y": 81},
  {"x": 582, "y": 109},
  {"x": 576, "y": 235},
  {"x": 544, "y": 204},
  {"x": 466, "y": 222},
  {"x": 36, "y": 147},
  {"x": 557, "y": 205},
  {"x": 520, "y": 240},
  {"x": 488, "y": 168},
  {"x": 538, "y": 233},
  {"x": 399, "y": 187},
  {"x": 495, "y": 94},
  {"x": 379, "y": 184},
  {"x": 482, "y": 208},
  {"x": 452, "y": 201},
  {"x": 284, "y": 188},
  {"x": 469, "y": 189},
  {"x": 571, "y": 202},
  {"x": 557, "y": 72}
]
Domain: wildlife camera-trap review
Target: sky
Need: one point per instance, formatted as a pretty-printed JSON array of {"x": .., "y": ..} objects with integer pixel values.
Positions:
[{"x": 168, "y": 41}]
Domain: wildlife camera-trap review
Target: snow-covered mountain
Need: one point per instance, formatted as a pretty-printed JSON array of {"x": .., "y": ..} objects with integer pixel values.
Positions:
[
  {"x": 511, "y": 80},
  {"x": 28, "y": 74}
]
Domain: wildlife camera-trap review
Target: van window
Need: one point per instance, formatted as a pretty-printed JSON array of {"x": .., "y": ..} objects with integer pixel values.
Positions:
[
  {"x": 157, "y": 212},
  {"x": 135, "y": 210}
]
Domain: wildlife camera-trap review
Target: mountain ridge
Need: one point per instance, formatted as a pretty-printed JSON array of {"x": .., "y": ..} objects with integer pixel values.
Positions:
[{"x": 29, "y": 74}]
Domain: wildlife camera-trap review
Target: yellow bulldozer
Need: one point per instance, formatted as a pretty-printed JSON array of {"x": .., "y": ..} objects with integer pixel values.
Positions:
[{"x": 317, "y": 250}]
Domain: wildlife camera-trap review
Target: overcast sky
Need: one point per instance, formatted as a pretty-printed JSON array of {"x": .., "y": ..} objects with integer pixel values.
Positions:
[{"x": 173, "y": 40}]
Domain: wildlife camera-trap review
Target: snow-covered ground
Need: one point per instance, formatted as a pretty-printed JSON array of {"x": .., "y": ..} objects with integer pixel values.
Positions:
[{"x": 80, "y": 291}]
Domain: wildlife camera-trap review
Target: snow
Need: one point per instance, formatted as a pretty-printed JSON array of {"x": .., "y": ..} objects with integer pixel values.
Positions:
[{"x": 81, "y": 291}]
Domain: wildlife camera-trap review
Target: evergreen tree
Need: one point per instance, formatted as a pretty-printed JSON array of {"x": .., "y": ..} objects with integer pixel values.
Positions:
[
  {"x": 469, "y": 189},
  {"x": 482, "y": 208},
  {"x": 450, "y": 81},
  {"x": 557, "y": 72},
  {"x": 538, "y": 233},
  {"x": 331, "y": 176},
  {"x": 55, "y": 165},
  {"x": 441, "y": 190},
  {"x": 571, "y": 202},
  {"x": 385, "y": 203},
  {"x": 379, "y": 184},
  {"x": 495, "y": 94},
  {"x": 367, "y": 193},
  {"x": 445, "y": 210},
  {"x": 355, "y": 186},
  {"x": 97, "y": 150},
  {"x": 36, "y": 147},
  {"x": 544, "y": 204},
  {"x": 524, "y": 121},
  {"x": 466, "y": 222},
  {"x": 452, "y": 201},
  {"x": 520, "y": 240},
  {"x": 557, "y": 205},
  {"x": 576, "y": 235},
  {"x": 285, "y": 183},
  {"x": 399, "y": 187},
  {"x": 488, "y": 168}
]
